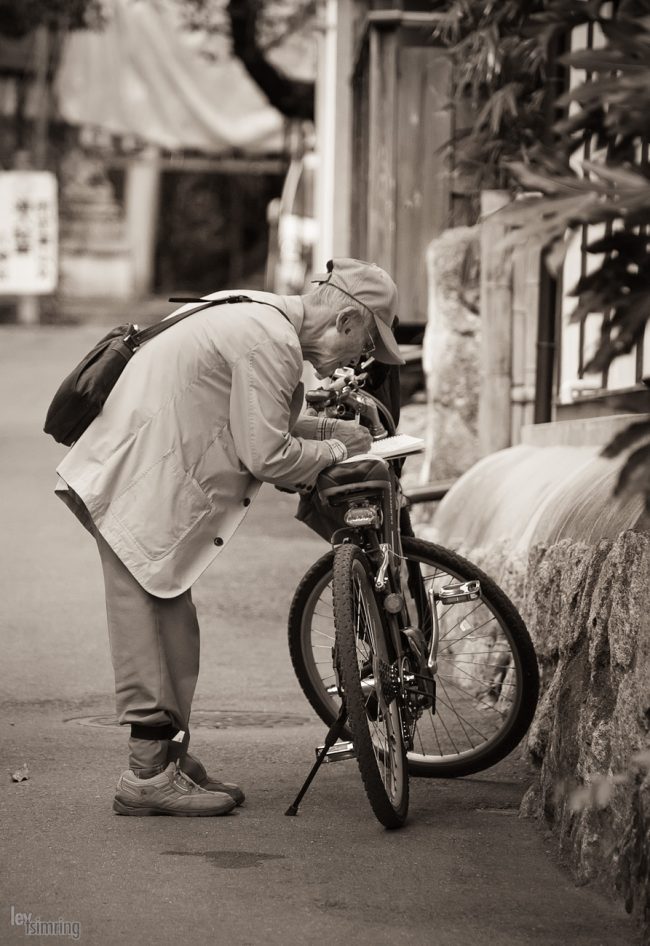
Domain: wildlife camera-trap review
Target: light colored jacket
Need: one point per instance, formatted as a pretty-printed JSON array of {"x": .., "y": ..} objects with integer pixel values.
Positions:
[{"x": 199, "y": 417}]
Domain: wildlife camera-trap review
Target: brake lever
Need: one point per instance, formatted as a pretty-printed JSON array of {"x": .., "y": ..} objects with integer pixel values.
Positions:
[{"x": 345, "y": 382}]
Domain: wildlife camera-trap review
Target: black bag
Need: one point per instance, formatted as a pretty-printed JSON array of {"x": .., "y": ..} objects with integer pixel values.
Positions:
[{"x": 82, "y": 395}]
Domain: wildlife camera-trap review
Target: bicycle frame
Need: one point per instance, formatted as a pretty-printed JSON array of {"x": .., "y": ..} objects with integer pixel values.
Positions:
[
  {"x": 487, "y": 675},
  {"x": 372, "y": 507},
  {"x": 374, "y": 515}
]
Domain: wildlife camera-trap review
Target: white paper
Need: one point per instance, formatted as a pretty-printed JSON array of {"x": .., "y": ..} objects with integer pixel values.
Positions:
[{"x": 397, "y": 446}]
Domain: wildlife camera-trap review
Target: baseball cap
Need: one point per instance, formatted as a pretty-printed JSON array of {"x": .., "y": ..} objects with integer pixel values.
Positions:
[{"x": 373, "y": 289}]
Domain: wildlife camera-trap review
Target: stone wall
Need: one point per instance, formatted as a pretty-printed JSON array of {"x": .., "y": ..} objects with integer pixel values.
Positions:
[
  {"x": 541, "y": 519},
  {"x": 587, "y": 608},
  {"x": 451, "y": 354}
]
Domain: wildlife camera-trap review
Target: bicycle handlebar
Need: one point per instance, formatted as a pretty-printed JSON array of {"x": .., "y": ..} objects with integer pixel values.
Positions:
[{"x": 344, "y": 392}]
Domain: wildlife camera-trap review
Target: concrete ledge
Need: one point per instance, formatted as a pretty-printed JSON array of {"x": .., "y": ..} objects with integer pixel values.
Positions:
[
  {"x": 529, "y": 494},
  {"x": 587, "y": 432}
]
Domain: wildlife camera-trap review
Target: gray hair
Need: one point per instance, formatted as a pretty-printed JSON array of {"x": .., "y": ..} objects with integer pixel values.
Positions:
[{"x": 328, "y": 295}]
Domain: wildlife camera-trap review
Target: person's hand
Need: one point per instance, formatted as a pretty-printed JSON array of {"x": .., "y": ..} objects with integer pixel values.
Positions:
[{"x": 357, "y": 439}]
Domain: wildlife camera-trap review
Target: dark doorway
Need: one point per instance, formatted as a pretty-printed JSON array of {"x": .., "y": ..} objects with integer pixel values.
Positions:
[{"x": 212, "y": 232}]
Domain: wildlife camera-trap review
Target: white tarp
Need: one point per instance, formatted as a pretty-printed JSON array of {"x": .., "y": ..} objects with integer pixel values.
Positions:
[{"x": 145, "y": 75}]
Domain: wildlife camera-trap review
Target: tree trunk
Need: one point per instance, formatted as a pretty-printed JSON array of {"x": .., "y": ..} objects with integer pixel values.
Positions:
[{"x": 293, "y": 97}]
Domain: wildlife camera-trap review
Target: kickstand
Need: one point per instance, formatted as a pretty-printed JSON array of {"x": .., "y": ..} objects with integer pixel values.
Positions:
[{"x": 333, "y": 734}]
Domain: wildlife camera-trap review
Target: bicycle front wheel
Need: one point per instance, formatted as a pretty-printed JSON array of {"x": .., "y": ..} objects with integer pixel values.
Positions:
[
  {"x": 370, "y": 682},
  {"x": 487, "y": 678}
]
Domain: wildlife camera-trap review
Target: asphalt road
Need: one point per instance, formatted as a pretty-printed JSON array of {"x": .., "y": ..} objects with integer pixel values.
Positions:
[{"x": 466, "y": 870}]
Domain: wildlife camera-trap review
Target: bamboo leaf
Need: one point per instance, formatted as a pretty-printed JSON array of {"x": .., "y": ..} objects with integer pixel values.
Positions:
[
  {"x": 631, "y": 324},
  {"x": 630, "y": 316},
  {"x": 596, "y": 90},
  {"x": 632, "y": 246},
  {"x": 618, "y": 176},
  {"x": 605, "y": 60},
  {"x": 626, "y": 33},
  {"x": 626, "y": 438},
  {"x": 537, "y": 181},
  {"x": 633, "y": 478}
]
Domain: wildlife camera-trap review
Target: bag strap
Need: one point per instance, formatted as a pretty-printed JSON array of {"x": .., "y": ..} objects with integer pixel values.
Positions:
[{"x": 136, "y": 339}]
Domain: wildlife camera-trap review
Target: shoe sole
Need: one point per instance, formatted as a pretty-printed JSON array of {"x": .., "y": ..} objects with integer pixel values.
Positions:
[{"x": 135, "y": 812}]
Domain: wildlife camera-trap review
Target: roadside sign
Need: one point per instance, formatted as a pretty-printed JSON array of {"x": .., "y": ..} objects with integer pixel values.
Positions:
[{"x": 28, "y": 233}]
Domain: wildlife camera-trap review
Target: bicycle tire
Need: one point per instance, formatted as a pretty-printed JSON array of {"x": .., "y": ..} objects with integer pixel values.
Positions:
[
  {"x": 364, "y": 661},
  {"x": 313, "y": 599}
]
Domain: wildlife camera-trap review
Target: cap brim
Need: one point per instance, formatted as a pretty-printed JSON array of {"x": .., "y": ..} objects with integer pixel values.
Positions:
[{"x": 386, "y": 347}]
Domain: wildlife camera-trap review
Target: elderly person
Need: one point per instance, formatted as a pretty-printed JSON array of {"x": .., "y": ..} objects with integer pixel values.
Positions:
[{"x": 165, "y": 474}]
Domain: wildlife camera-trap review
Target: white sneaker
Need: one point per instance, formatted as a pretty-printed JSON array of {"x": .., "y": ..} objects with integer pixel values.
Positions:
[{"x": 172, "y": 792}]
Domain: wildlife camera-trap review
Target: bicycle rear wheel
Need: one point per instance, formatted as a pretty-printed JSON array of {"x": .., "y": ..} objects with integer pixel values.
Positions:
[
  {"x": 370, "y": 686},
  {"x": 488, "y": 681}
]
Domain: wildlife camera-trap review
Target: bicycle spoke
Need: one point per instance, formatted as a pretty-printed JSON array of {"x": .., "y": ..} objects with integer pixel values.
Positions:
[
  {"x": 482, "y": 682},
  {"x": 326, "y": 617},
  {"x": 474, "y": 653},
  {"x": 417, "y": 733},
  {"x": 453, "y": 710},
  {"x": 435, "y": 733},
  {"x": 474, "y": 698},
  {"x": 420, "y": 728},
  {"x": 444, "y": 726},
  {"x": 471, "y": 631},
  {"x": 458, "y": 716},
  {"x": 463, "y": 617}
]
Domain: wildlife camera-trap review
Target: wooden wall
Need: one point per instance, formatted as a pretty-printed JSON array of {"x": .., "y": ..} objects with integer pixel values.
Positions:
[{"x": 400, "y": 178}]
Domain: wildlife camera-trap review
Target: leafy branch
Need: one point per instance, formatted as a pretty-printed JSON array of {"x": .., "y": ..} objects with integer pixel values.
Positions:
[
  {"x": 501, "y": 79},
  {"x": 608, "y": 115},
  {"x": 255, "y": 28}
]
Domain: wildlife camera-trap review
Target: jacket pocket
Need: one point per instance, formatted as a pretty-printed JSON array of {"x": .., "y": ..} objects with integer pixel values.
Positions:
[
  {"x": 221, "y": 474},
  {"x": 161, "y": 507}
]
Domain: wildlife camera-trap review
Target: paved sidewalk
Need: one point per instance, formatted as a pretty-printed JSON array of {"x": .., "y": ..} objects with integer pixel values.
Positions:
[{"x": 465, "y": 871}]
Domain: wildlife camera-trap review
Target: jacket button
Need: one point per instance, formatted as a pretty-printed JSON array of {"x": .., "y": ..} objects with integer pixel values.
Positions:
[
  {"x": 246, "y": 501},
  {"x": 218, "y": 540}
]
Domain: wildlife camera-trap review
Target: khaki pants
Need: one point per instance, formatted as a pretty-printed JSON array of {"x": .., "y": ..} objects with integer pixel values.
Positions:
[{"x": 155, "y": 652}]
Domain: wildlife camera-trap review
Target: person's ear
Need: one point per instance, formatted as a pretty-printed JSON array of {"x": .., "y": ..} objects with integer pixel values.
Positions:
[{"x": 348, "y": 320}]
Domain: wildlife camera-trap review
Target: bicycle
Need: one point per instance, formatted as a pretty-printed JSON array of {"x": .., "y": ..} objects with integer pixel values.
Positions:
[{"x": 405, "y": 649}]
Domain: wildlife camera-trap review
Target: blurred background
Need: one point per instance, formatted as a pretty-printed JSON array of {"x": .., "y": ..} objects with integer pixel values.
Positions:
[
  {"x": 494, "y": 158},
  {"x": 163, "y": 163}
]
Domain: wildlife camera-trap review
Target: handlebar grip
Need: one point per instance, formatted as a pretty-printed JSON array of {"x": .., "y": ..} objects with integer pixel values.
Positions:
[{"x": 321, "y": 397}]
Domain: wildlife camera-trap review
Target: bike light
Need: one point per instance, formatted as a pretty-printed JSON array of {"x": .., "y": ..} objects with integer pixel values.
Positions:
[
  {"x": 361, "y": 516},
  {"x": 393, "y": 603}
]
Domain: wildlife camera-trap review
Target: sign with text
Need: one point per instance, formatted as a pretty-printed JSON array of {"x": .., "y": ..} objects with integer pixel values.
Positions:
[{"x": 28, "y": 233}]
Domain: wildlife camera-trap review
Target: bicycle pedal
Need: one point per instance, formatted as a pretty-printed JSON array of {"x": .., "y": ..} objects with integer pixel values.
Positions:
[
  {"x": 339, "y": 752},
  {"x": 452, "y": 594}
]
